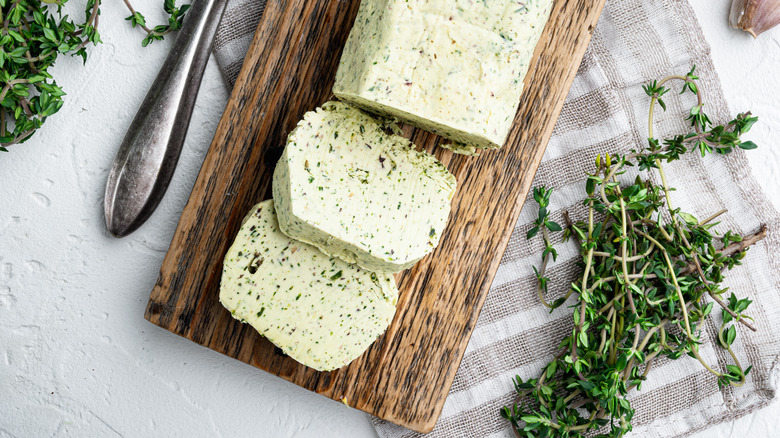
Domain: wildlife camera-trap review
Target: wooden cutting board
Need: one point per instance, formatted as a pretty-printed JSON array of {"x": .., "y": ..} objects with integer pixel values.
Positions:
[{"x": 289, "y": 69}]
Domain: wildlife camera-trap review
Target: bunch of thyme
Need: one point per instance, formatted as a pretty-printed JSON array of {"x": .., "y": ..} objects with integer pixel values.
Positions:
[
  {"x": 647, "y": 267},
  {"x": 34, "y": 34},
  {"x": 30, "y": 42}
]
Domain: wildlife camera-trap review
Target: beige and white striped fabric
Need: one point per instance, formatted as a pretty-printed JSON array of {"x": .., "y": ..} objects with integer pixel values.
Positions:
[
  {"x": 635, "y": 42},
  {"x": 234, "y": 35}
]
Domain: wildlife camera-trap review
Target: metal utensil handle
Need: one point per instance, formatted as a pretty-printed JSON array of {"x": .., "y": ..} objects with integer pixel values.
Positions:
[{"x": 147, "y": 158}]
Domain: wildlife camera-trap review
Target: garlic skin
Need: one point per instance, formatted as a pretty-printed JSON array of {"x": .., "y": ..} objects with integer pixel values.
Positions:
[{"x": 754, "y": 16}]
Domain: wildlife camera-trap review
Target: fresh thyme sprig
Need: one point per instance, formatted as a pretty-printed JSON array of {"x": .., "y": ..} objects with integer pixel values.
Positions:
[
  {"x": 175, "y": 21},
  {"x": 543, "y": 223},
  {"x": 34, "y": 34},
  {"x": 30, "y": 42},
  {"x": 646, "y": 269}
]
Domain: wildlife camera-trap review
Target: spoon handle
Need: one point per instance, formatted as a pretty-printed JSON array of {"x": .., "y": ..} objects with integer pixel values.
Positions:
[{"x": 147, "y": 158}]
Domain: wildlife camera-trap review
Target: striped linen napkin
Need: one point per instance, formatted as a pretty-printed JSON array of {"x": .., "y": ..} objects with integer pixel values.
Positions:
[{"x": 635, "y": 42}]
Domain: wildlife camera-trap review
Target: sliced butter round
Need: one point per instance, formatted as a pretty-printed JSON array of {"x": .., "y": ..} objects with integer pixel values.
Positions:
[
  {"x": 320, "y": 310},
  {"x": 356, "y": 191}
]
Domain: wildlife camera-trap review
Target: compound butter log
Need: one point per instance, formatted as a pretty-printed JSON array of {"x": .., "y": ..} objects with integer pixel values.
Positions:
[{"x": 289, "y": 69}]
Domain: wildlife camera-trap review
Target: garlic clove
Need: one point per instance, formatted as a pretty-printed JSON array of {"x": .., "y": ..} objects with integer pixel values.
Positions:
[{"x": 754, "y": 16}]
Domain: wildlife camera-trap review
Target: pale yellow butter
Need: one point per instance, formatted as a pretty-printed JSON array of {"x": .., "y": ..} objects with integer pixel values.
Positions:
[
  {"x": 453, "y": 67},
  {"x": 320, "y": 310},
  {"x": 350, "y": 186}
]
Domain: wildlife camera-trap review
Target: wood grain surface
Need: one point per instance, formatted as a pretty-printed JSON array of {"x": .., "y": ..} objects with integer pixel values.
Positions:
[{"x": 406, "y": 375}]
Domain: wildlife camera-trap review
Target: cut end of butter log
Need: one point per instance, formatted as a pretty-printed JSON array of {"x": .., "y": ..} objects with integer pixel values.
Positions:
[
  {"x": 358, "y": 192},
  {"x": 452, "y": 67},
  {"x": 320, "y": 310}
]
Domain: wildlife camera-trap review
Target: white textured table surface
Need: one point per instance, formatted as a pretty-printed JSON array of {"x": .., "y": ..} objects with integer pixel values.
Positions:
[{"x": 76, "y": 356}]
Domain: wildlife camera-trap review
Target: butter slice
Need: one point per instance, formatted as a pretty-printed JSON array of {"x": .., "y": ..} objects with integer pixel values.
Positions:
[
  {"x": 321, "y": 311},
  {"x": 347, "y": 186},
  {"x": 452, "y": 67}
]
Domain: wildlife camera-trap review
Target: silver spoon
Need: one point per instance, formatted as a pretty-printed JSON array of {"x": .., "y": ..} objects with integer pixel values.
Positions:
[{"x": 147, "y": 158}]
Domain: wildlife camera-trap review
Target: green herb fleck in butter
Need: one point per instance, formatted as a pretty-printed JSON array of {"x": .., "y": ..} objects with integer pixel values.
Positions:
[
  {"x": 321, "y": 311},
  {"x": 356, "y": 191},
  {"x": 453, "y": 67}
]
